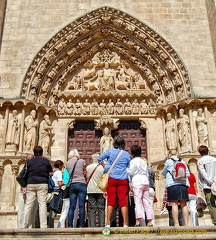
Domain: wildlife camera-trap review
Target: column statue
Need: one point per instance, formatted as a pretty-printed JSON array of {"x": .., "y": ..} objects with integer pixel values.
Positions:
[
  {"x": 2, "y": 133},
  {"x": 106, "y": 141},
  {"x": 183, "y": 130},
  {"x": 13, "y": 130},
  {"x": 202, "y": 131},
  {"x": 170, "y": 132},
  {"x": 31, "y": 124},
  {"x": 45, "y": 134}
]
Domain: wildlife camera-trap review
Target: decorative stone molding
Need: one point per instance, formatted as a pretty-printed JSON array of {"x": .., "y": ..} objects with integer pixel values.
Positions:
[
  {"x": 106, "y": 121},
  {"x": 106, "y": 54},
  {"x": 143, "y": 123},
  {"x": 71, "y": 124}
]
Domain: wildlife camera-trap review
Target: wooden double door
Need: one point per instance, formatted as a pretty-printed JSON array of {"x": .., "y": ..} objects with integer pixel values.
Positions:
[{"x": 87, "y": 140}]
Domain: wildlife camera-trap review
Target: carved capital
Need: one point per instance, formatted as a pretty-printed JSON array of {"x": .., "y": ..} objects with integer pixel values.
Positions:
[
  {"x": 157, "y": 175},
  {"x": 15, "y": 169},
  {"x": 70, "y": 125},
  {"x": 143, "y": 123},
  {"x": 106, "y": 121},
  {"x": 1, "y": 171}
]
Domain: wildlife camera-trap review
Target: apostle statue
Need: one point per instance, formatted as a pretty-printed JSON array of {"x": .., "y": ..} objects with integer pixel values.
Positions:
[
  {"x": 183, "y": 131},
  {"x": 45, "y": 134},
  {"x": 202, "y": 130},
  {"x": 31, "y": 124},
  {"x": 170, "y": 132},
  {"x": 13, "y": 130}
]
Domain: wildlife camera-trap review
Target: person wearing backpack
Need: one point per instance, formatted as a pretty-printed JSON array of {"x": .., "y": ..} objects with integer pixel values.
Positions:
[
  {"x": 207, "y": 176},
  {"x": 177, "y": 173}
]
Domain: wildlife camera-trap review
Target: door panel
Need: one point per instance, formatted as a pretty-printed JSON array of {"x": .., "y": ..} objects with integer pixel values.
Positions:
[
  {"x": 87, "y": 140},
  {"x": 132, "y": 134}
]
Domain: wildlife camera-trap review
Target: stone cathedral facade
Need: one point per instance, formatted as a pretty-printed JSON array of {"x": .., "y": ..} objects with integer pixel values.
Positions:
[{"x": 68, "y": 70}]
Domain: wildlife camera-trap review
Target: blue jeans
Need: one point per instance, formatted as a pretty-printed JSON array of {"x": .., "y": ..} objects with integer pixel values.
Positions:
[{"x": 79, "y": 190}]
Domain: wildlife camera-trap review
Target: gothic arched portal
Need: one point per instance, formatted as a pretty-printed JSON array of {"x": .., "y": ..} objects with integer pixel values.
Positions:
[{"x": 105, "y": 55}]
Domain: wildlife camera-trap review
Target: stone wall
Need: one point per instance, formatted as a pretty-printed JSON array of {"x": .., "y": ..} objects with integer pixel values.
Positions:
[
  {"x": 2, "y": 12},
  {"x": 210, "y": 6},
  {"x": 183, "y": 24}
]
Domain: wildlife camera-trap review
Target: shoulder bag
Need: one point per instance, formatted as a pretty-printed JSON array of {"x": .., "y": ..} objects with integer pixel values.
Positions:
[
  {"x": 65, "y": 191},
  {"x": 22, "y": 177},
  {"x": 103, "y": 180}
]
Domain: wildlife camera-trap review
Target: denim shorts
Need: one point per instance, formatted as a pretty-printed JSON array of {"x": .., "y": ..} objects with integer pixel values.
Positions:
[{"x": 176, "y": 193}]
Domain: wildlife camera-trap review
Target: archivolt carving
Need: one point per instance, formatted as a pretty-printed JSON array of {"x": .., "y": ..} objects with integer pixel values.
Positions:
[{"x": 109, "y": 53}]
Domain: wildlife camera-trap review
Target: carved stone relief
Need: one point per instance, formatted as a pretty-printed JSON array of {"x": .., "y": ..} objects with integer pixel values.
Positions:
[
  {"x": 202, "y": 131},
  {"x": 13, "y": 132},
  {"x": 115, "y": 53},
  {"x": 170, "y": 132},
  {"x": 88, "y": 107},
  {"x": 183, "y": 126}
]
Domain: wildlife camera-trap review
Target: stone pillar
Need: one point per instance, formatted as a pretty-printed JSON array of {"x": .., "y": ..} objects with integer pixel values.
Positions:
[
  {"x": 206, "y": 115},
  {"x": 6, "y": 124},
  {"x": 22, "y": 131},
  {"x": 164, "y": 134},
  {"x": 192, "y": 131},
  {"x": 176, "y": 130},
  {"x": 144, "y": 126},
  {"x": 15, "y": 169},
  {"x": 1, "y": 174}
]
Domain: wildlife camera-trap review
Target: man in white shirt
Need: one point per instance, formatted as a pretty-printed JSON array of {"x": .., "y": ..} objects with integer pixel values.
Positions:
[{"x": 207, "y": 175}]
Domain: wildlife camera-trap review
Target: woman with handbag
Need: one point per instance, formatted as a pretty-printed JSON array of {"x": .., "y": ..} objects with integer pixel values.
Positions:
[
  {"x": 119, "y": 161},
  {"x": 78, "y": 189}
]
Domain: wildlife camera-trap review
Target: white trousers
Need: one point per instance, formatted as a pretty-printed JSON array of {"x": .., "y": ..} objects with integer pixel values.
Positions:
[
  {"x": 64, "y": 213},
  {"x": 36, "y": 192}
]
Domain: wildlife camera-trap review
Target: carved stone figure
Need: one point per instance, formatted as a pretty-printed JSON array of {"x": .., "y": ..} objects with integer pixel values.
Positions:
[
  {"x": 123, "y": 79},
  {"x": 102, "y": 108},
  {"x": 75, "y": 83},
  {"x": 171, "y": 142},
  {"x": 110, "y": 107},
  {"x": 144, "y": 107},
  {"x": 33, "y": 94},
  {"x": 45, "y": 134},
  {"x": 135, "y": 107},
  {"x": 86, "y": 107},
  {"x": 202, "y": 131},
  {"x": 69, "y": 107},
  {"x": 127, "y": 107},
  {"x": 107, "y": 77},
  {"x": 94, "y": 107},
  {"x": 36, "y": 81},
  {"x": 77, "y": 107},
  {"x": 31, "y": 124},
  {"x": 61, "y": 107},
  {"x": 183, "y": 130},
  {"x": 152, "y": 106},
  {"x": 106, "y": 141},
  {"x": 119, "y": 107},
  {"x": 13, "y": 131}
]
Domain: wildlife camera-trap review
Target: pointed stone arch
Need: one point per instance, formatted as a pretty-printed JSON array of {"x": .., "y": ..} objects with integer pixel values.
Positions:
[{"x": 71, "y": 64}]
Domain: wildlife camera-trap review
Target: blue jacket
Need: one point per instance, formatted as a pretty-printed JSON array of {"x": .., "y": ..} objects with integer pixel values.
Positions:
[{"x": 119, "y": 170}]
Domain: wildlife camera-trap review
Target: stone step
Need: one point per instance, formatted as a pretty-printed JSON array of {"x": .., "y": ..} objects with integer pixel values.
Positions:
[{"x": 149, "y": 233}]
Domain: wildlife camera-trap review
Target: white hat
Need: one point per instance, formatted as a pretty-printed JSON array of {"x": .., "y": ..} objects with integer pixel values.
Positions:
[{"x": 213, "y": 188}]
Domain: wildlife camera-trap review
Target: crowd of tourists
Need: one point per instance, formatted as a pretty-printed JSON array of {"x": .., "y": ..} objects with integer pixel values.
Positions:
[{"x": 74, "y": 194}]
